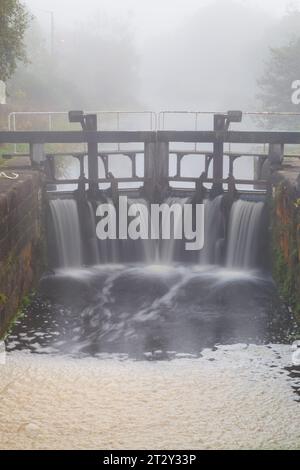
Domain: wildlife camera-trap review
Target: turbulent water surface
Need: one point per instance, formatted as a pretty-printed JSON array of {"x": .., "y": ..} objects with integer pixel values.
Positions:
[
  {"x": 150, "y": 311},
  {"x": 159, "y": 353}
]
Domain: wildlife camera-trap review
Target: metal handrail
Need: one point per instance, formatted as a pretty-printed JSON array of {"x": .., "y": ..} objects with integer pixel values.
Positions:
[
  {"x": 12, "y": 125},
  {"x": 156, "y": 120},
  {"x": 162, "y": 114},
  {"x": 156, "y": 143},
  {"x": 12, "y": 118}
]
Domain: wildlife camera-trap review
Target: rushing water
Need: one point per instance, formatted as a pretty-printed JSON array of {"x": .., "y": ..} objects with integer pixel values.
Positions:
[
  {"x": 214, "y": 231},
  {"x": 139, "y": 309},
  {"x": 151, "y": 311},
  {"x": 67, "y": 231},
  {"x": 241, "y": 249},
  {"x": 244, "y": 232},
  {"x": 93, "y": 241},
  {"x": 201, "y": 348}
]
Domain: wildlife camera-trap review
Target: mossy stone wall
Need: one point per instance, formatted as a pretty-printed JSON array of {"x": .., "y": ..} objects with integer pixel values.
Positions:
[
  {"x": 286, "y": 240},
  {"x": 21, "y": 241}
]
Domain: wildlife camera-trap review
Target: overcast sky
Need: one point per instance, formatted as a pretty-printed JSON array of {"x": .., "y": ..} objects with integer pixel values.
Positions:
[{"x": 146, "y": 18}]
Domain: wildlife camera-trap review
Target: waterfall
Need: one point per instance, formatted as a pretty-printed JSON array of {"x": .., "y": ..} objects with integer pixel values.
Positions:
[
  {"x": 144, "y": 249},
  {"x": 213, "y": 231},
  {"x": 154, "y": 251},
  {"x": 242, "y": 237},
  {"x": 109, "y": 250},
  {"x": 243, "y": 234},
  {"x": 67, "y": 232},
  {"x": 169, "y": 251},
  {"x": 93, "y": 239}
]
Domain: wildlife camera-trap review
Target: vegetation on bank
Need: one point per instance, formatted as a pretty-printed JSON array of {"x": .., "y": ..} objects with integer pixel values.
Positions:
[
  {"x": 25, "y": 302},
  {"x": 286, "y": 245},
  {"x": 14, "y": 20}
]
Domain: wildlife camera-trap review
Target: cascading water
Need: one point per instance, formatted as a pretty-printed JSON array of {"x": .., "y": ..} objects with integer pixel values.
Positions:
[
  {"x": 209, "y": 324},
  {"x": 67, "y": 232},
  {"x": 155, "y": 308},
  {"x": 169, "y": 250},
  {"x": 243, "y": 234},
  {"x": 93, "y": 241},
  {"x": 109, "y": 250},
  {"x": 213, "y": 231},
  {"x": 242, "y": 237},
  {"x": 144, "y": 248}
]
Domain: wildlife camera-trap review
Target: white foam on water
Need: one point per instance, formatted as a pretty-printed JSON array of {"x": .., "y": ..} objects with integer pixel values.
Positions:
[{"x": 233, "y": 397}]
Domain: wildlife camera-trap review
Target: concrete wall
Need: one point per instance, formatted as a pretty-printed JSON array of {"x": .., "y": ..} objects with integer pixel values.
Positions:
[
  {"x": 21, "y": 241},
  {"x": 286, "y": 232}
]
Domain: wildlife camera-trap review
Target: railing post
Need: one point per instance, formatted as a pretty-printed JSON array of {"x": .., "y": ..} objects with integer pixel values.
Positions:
[
  {"x": 218, "y": 150},
  {"x": 81, "y": 180},
  {"x": 156, "y": 171},
  {"x": 149, "y": 168},
  {"x": 162, "y": 170},
  {"x": 91, "y": 125},
  {"x": 276, "y": 155},
  {"x": 49, "y": 169},
  {"x": 162, "y": 160},
  {"x": 37, "y": 154}
]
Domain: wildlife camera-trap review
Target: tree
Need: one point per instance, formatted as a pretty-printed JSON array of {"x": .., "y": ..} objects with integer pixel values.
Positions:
[
  {"x": 281, "y": 71},
  {"x": 39, "y": 84},
  {"x": 89, "y": 70},
  {"x": 14, "y": 19}
]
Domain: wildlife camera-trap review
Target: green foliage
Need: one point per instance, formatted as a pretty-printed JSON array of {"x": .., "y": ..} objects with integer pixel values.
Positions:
[
  {"x": 14, "y": 19},
  {"x": 284, "y": 277},
  {"x": 27, "y": 299},
  {"x": 282, "y": 69},
  {"x": 286, "y": 272},
  {"x": 39, "y": 84},
  {"x": 25, "y": 302},
  {"x": 3, "y": 298},
  {"x": 19, "y": 314}
]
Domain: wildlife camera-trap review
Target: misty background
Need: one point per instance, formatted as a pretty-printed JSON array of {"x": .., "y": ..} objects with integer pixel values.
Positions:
[{"x": 136, "y": 54}]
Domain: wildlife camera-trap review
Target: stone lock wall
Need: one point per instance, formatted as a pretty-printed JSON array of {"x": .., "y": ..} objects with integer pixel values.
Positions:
[
  {"x": 286, "y": 234},
  {"x": 21, "y": 242}
]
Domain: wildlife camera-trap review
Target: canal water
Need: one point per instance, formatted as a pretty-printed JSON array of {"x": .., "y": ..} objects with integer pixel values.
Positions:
[
  {"x": 159, "y": 353},
  {"x": 233, "y": 397}
]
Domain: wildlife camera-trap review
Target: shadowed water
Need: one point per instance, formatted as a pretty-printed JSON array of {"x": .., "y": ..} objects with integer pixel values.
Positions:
[{"x": 150, "y": 311}]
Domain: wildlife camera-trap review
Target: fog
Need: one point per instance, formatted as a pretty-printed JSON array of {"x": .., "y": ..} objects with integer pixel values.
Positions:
[
  {"x": 147, "y": 18},
  {"x": 138, "y": 54}
]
